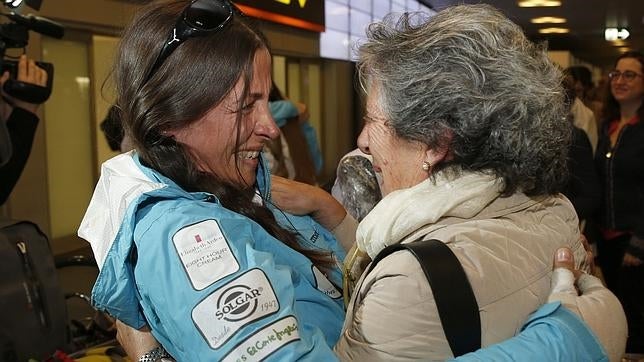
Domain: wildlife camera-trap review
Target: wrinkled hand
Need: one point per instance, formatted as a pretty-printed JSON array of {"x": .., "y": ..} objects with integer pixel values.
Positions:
[
  {"x": 302, "y": 112},
  {"x": 589, "y": 262},
  {"x": 303, "y": 199},
  {"x": 135, "y": 342},
  {"x": 28, "y": 72}
]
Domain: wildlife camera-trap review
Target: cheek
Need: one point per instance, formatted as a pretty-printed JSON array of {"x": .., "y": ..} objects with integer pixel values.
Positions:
[{"x": 380, "y": 141}]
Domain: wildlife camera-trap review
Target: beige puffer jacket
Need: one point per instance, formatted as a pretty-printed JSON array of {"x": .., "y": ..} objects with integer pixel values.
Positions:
[{"x": 506, "y": 249}]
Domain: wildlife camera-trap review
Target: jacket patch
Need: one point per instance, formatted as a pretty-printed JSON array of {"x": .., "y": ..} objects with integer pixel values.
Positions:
[
  {"x": 324, "y": 285},
  {"x": 266, "y": 341},
  {"x": 238, "y": 303},
  {"x": 204, "y": 253}
]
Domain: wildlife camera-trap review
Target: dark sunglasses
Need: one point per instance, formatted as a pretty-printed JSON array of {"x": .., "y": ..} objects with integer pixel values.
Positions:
[{"x": 201, "y": 17}]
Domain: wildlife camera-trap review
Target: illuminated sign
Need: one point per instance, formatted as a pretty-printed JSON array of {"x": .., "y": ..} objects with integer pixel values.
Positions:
[{"x": 305, "y": 14}]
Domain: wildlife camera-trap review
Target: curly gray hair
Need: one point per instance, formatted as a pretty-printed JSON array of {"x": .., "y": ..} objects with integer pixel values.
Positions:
[{"x": 471, "y": 71}]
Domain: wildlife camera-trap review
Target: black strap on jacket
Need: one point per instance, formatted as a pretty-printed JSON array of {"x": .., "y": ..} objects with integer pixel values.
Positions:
[{"x": 457, "y": 307}]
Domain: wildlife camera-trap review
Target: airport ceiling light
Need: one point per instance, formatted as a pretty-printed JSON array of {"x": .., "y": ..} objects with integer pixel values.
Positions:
[
  {"x": 12, "y": 3},
  {"x": 554, "y": 31},
  {"x": 538, "y": 3},
  {"x": 611, "y": 34},
  {"x": 548, "y": 20}
]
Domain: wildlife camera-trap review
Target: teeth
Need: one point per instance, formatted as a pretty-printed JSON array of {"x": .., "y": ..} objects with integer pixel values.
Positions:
[{"x": 250, "y": 155}]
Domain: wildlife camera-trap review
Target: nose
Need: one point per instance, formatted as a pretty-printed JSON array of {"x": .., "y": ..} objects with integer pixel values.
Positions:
[
  {"x": 266, "y": 126},
  {"x": 363, "y": 141}
]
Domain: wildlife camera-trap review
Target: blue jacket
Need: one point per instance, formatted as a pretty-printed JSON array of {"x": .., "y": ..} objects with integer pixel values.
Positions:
[
  {"x": 285, "y": 109},
  {"x": 212, "y": 284},
  {"x": 552, "y": 333}
]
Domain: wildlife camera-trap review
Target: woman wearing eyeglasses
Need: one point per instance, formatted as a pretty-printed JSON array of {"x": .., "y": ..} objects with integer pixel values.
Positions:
[
  {"x": 620, "y": 164},
  {"x": 188, "y": 242}
]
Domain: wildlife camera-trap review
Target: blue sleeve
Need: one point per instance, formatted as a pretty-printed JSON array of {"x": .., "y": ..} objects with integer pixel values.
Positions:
[
  {"x": 282, "y": 111},
  {"x": 314, "y": 147},
  {"x": 552, "y": 333},
  {"x": 214, "y": 285}
]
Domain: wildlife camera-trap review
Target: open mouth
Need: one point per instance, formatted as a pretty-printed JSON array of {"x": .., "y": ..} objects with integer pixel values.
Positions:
[{"x": 249, "y": 155}]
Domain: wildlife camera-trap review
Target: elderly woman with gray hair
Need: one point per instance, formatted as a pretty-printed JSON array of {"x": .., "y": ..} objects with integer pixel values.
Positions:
[{"x": 465, "y": 124}]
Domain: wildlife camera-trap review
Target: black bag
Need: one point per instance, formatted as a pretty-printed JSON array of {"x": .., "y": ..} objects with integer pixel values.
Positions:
[
  {"x": 455, "y": 300},
  {"x": 33, "y": 312}
]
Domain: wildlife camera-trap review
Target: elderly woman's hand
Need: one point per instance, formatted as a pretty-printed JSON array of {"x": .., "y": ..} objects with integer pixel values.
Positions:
[{"x": 303, "y": 199}]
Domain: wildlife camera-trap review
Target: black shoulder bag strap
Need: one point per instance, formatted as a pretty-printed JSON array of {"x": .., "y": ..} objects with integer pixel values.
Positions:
[{"x": 457, "y": 307}]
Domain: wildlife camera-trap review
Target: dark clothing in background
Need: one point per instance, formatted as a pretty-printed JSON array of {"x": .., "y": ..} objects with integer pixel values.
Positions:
[
  {"x": 21, "y": 125},
  {"x": 583, "y": 188},
  {"x": 621, "y": 174}
]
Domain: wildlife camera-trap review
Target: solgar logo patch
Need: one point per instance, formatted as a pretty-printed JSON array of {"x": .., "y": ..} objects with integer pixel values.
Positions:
[
  {"x": 227, "y": 310},
  {"x": 237, "y": 303}
]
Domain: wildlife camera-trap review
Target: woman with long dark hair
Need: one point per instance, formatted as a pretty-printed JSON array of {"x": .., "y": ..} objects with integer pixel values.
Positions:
[
  {"x": 184, "y": 231},
  {"x": 619, "y": 156}
]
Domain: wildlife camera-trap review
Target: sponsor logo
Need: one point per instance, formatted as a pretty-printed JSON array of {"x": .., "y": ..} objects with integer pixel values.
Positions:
[
  {"x": 265, "y": 341},
  {"x": 205, "y": 253},
  {"x": 237, "y": 303},
  {"x": 315, "y": 236},
  {"x": 324, "y": 285},
  {"x": 227, "y": 310}
]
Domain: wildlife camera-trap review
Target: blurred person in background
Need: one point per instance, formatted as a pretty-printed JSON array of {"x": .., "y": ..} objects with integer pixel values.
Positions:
[
  {"x": 20, "y": 119},
  {"x": 620, "y": 166},
  {"x": 591, "y": 95},
  {"x": 583, "y": 116}
]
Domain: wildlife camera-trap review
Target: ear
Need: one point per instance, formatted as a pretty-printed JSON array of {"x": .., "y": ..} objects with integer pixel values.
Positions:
[{"x": 440, "y": 152}]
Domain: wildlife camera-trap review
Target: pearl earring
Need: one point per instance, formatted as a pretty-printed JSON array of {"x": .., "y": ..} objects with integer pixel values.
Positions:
[{"x": 426, "y": 166}]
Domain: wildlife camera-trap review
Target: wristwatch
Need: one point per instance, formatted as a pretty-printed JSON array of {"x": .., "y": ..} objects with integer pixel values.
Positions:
[{"x": 157, "y": 354}]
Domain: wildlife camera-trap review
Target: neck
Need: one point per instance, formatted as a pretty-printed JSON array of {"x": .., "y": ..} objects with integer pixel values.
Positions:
[{"x": 629, "y": 109}]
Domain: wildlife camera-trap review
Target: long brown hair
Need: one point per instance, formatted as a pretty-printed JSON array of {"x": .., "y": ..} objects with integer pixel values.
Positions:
[{"x": 196, "y": 77}]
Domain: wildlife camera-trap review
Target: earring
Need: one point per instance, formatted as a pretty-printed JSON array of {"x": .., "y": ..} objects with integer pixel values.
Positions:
[{"x": 426, "y": 166}]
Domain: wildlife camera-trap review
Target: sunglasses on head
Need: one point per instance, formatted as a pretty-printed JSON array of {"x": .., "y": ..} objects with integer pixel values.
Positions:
[{"x": 201, "y": 17}]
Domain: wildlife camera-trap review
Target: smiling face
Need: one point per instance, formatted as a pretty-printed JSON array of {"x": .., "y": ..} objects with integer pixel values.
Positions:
[
  {"x": 211, "y": 140},
  {"x": 398, "y": 161},
  {"x": 626, "y": 91}
]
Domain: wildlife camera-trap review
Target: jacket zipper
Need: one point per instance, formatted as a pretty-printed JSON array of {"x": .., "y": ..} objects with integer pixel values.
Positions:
[
  {"x": 610, "y": 155},
  {"x": 31, "y": 285}
]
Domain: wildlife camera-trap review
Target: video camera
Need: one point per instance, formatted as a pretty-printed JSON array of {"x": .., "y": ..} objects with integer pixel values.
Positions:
[{"x": 15, "y": 34}]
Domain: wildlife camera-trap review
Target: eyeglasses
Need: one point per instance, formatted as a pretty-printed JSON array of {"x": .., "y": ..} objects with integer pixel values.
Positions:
[
  {"x": 201, "y": 17},
  {"x": 626, "y": 75}
]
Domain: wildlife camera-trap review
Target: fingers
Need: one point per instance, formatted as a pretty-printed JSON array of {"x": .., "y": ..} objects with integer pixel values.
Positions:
[
  {"x": 564, "y": 259},
  {"x": 563, "y": 277},
  {"x": 29, "y": 72},
  {"x": 631, "y": 260},
  {"x": 4, "y": 78},
  {"x": 589, "y": 262}
]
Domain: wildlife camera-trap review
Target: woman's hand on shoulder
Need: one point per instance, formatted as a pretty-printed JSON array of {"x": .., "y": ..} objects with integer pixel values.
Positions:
[{"x": 303, "y": 199}]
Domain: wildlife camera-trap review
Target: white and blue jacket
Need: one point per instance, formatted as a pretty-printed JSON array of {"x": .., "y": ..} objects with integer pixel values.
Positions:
[{"x": 212, "y": 284}]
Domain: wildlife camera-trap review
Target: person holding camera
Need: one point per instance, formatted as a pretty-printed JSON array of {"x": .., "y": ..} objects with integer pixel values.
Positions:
[{"x": 21, "y": 121}]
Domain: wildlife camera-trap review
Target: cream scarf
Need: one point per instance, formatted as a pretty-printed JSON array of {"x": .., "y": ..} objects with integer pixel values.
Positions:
[{"x": 403, "y": 212}]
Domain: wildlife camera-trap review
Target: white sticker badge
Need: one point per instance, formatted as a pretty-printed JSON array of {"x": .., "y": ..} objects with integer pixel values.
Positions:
[
  {"x": 324, "y": 285},
  {"x": 205, "y": 253},
  {"x": 236, "y": 304},
  {"x": 266, "y": 341}
]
